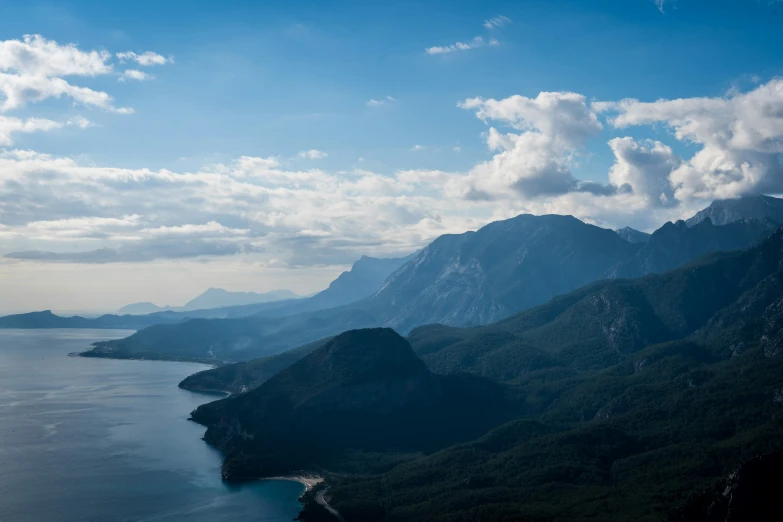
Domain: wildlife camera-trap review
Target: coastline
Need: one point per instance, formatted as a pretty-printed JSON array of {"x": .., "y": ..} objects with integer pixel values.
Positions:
[{"x": 308, "y": 480}]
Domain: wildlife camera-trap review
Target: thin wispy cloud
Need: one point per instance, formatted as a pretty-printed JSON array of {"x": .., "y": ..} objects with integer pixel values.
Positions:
[
  {"x": 417, "y": 148},
  {"x": 312, "y": 154},
  {"x": 383, "y": 101},
  {"x": 475, "y": 43},
  {"x": 500, "y": 21},
  {"x": 145, "y": 59}
]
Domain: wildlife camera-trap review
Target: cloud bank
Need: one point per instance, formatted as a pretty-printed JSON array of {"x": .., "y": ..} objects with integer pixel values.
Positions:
[{"x": 60, "y": 209}]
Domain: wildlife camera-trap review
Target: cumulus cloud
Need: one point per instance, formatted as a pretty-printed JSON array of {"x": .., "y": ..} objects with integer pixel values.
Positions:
[
  {"x": 644, "y": 168},
  {"x": 145, "y": 59},
  {"x": 34, "y": 69},
  {"x": 312, "y": 154},
  {"x": 741, "y": 139},
  {"x": 475, "y": 43},
  {"x": 535, "y": 161}
]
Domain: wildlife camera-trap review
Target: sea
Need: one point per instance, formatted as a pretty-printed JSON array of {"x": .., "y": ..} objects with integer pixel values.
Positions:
[{"x": 104, "y": 440}]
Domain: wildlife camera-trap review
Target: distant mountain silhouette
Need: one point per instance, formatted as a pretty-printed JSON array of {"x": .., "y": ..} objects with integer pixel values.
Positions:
[
  {"x": 47, "y": 319},
  {"x": 142, "y": 309},
  {"x": 219, "y": 298}
]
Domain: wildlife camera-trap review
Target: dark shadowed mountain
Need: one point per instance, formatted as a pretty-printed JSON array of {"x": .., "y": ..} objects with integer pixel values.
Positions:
[
  {"x": 675, "y": 244},
  {"x": 649, "y": 399},
  {"x": 749, "y": 493},
  {"x": 601, "y": 324},
  {"x": 363, "y": 391},
  {"x": 726, "y": 211},
  {"x": 244, "y": 376},
  {"x": 632, "y": 235}
]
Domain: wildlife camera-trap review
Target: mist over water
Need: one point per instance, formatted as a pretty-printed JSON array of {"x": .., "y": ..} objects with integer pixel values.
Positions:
[{"x": 99, "y": 439}]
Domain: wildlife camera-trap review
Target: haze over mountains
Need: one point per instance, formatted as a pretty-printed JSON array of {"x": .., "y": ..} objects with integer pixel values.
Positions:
[
  {"x": 631, "y": 399},
  {"x": 465, "y": 279},
  {"x": 549, "y": 368},
  {"x": 211, "y": 298}
]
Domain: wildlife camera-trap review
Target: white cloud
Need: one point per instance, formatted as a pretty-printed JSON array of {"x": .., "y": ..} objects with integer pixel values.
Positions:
[
  {"x": 417, "y": 147},
  {"x": 644, "y": 168},
  {"x": 312, "y": 154},
  {"x": 133, "y": 74},
  {"x": 499, "y": 21},
  {"x": 145, "y": 59},
  {"x": 741, "y": 138},
  {"x": 536, "y": 161},
  {"x": 10, "y": 125},
  {"x": 34, "y": 69},
  {"x": 34, "y": 55},
  {"x": 475, "y": 43},
  {"x": 256, "y": 207}
]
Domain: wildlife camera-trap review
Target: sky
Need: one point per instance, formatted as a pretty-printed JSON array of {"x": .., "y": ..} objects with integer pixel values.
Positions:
[{"x": 151, "y": 150}]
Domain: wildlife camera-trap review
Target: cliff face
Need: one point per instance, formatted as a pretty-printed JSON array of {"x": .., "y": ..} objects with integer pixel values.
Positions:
[{"x": 483, "y": 276}]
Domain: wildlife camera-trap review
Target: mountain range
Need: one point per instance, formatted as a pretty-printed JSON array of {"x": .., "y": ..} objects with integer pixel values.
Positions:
[
  {"x": 211, "y": 298},
  {"x": 653, "y": 398},
  {"x": 468, "y": 279}
]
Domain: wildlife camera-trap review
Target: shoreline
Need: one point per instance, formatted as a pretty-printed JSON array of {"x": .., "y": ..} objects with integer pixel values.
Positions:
[{"x": 309, "y": 481}]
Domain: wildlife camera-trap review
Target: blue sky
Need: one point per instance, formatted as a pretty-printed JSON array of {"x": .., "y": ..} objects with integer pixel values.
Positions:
[{"x": 276, "y": 79}]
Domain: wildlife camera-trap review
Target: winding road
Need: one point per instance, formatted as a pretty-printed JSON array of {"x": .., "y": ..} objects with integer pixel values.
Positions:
[{"x": 319, "y": 497}]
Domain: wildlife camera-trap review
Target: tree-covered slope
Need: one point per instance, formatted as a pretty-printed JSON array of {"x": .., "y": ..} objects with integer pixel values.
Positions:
[
  {"x": 649, "y": 438},
  {"x": 363, "y": 391},
  {"x": 600, "y": 324}
]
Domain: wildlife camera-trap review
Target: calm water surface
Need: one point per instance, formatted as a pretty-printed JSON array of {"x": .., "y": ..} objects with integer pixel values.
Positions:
[{"x": 102, "y": 440}]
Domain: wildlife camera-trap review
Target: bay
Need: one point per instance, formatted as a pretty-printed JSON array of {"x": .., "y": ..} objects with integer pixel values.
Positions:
[{"x": 85, "y": 439}]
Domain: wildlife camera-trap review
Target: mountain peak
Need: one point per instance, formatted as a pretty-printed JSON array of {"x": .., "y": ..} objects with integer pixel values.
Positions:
[
  {"x": 724, "y": 211},
  {"x": 632, "y": 235}
]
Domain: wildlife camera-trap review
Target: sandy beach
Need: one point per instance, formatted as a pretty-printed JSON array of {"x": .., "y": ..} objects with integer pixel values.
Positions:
[{"x": 309, "y": 480}]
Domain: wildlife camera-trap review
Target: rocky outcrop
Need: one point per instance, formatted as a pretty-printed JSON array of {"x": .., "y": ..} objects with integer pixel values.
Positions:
[{"x": 752, "y": 493}]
